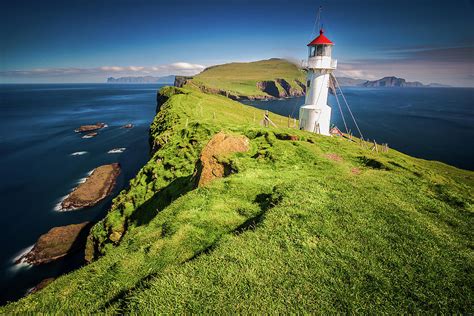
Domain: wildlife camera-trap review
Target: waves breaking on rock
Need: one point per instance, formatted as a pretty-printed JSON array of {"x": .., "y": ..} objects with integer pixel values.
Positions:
[
  {"x": 117, "y": 150},
  {"x": 79, "y": 153}
]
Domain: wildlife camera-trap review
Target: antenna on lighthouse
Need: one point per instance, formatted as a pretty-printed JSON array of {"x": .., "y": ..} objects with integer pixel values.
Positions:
[{"x": 317, "y": 23}]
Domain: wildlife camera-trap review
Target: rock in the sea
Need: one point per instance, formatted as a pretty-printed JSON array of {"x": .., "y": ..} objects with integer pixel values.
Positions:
[
  {"x": 88, "y": 128},
  {"x": 96, "y": 187},
  {"x": 41, "y": 285},
  {"x": 57, "y": 243},
  {"x": 130, "y": 125},
  {"x": 220, "y": 145}
]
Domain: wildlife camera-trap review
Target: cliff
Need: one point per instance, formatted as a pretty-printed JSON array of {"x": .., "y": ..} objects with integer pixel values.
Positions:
[{"x": 294, "y": 223}]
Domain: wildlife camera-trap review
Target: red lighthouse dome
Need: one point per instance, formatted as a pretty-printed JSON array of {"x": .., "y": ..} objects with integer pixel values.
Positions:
[{"x": 321, "y": 40}]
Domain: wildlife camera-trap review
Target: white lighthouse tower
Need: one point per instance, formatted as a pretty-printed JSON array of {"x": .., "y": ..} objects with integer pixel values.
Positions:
[{"x": 315, "y": 114}]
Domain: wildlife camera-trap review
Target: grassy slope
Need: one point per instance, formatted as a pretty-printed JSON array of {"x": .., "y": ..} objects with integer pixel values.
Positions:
[
  {"x": 241, "y": 78},
  {"x": 292, "y": 231}
]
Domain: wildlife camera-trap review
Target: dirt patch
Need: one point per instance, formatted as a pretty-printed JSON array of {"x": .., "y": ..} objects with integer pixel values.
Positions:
[
  {"x": 334, "y": 157},
  {"x": 220, "y": 145},
  {"x": 282, "y": 136},
  {"x": 57, "y": 243},
  {"x": 97, "y": 186},
  {"x": 355, "y": 171}
]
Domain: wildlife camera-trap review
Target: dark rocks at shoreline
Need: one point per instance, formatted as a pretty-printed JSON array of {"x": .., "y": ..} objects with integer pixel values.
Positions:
[
  {"x": 41, "y": 285},
  {"x": 89, "y": 128},
  {"x": 129, "y": 125},
  {"x": 57, "y": 243},
  {"x": 97, "y": 186}
]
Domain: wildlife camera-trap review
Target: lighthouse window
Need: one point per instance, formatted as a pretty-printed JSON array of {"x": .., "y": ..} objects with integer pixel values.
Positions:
[
  {"x": 308, "y": 83},
  {"x": 311, "y": 51},
  {"x": 319, "y": 50},
  {"x": 327, "y": 50}
]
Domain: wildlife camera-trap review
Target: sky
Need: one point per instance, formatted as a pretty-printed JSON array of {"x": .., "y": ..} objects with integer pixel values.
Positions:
[{"x": 87, "y": 41}]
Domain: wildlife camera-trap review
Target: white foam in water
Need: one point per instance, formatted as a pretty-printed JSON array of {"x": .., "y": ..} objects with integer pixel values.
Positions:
[
  {"x": 79, "y": 153},
  {"x": 116, "y": 150},
  {"x": 87, "y": 136},
  {"x": 58, "y": 207},
  {"x": 22, "y": 264}
]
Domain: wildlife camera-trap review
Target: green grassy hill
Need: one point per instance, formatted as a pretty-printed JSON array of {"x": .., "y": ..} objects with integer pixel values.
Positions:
[
  {"x": 261, "y": 79},
  {"x": 304, "y": 224}
]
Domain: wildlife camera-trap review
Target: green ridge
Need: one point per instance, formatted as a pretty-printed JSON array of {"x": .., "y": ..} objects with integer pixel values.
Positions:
[
  {"x": 314, "y": 225},
  {"x": 241, "y": 79}
]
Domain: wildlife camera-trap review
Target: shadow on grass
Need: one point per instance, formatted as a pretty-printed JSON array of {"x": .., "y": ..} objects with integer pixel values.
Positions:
[{"x": 161, "y": 199}]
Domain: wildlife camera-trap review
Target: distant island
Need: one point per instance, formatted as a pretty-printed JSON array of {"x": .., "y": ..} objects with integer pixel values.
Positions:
[
  {"x": 144, "y": 79},
  {"x": 390, "y": 81}
]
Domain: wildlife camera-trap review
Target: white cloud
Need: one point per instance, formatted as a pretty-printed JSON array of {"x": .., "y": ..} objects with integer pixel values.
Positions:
[{"x": 179, "y": 68}]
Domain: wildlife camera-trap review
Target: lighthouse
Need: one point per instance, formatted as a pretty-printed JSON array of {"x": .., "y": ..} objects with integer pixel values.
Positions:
[{"x": 315, "y": 114}]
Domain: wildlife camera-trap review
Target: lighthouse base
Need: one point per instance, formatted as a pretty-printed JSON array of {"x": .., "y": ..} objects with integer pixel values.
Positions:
[{"x": 315, "y": 119}]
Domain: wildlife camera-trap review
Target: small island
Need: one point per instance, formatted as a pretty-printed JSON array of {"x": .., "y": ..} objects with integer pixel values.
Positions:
[{"x": 96, "y": 187}]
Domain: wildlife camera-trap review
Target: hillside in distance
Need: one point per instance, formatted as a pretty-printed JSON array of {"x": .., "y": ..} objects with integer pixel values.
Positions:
[
  {"x": 294, "y": 222},
  {"x": 396, "y": 82},
  {"x": 142, "y": 79},
  {"x": 272, "y": 78}
]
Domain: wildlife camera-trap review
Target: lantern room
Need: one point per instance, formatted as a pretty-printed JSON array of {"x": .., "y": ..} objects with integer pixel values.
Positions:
[{"x": 320, "y": 46}]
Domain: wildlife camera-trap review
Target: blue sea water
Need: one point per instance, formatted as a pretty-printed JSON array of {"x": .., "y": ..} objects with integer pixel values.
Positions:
[
  {"x": 429, "y": 123},
  {"x": 37, "y": 139},
  {"x": 37, "y": 169}
]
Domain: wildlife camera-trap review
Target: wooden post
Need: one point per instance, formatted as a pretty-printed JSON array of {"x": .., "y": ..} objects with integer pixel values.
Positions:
[
  {"x": 186, "y": 123},
  {"x": 214, "y": 115},
  {"x": 288, "y": 121},
  {"x": 254, "y": 117},
  {"x": 294, "y": 122},
  {"x": 375, "y": 146}
]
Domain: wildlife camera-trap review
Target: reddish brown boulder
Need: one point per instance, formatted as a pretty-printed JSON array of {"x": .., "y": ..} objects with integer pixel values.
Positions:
[{"x": 220, "y": 145}]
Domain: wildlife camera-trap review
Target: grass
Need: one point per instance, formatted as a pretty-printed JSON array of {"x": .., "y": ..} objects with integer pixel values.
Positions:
[
  {"x": 242, "y": 78},
  {"x": 318, "y": 225}
]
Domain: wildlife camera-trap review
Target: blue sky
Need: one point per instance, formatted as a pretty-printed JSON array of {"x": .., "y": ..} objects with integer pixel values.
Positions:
[{"x": 88, "y": 41}]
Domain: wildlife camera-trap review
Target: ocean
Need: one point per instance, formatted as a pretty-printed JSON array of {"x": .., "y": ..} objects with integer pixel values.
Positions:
[
  {"x": 42, "y": 158},
  {"x": 428, "y": 123}
]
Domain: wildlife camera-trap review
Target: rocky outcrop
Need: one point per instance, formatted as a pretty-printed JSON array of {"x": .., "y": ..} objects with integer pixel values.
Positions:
[
  {"x": 289, "y": 90},
  {"x": 180, "y": 81},
  {"x": 209, "y": 167},
  {"x": 41, "y": 285},
  {"x": 129, "y": 125},
  {"x": 270, "y": 88},
  {"x": 57, "y": 243},
  {"x": 89, "y": 128},
  {"x": 96, "y": 187}
]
